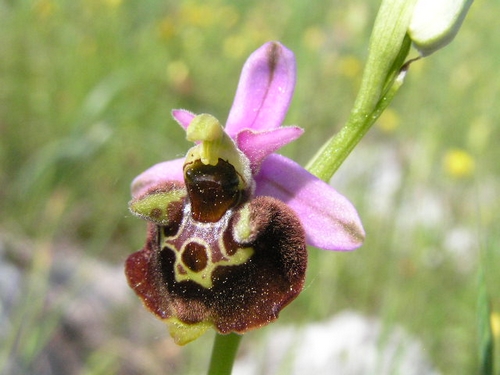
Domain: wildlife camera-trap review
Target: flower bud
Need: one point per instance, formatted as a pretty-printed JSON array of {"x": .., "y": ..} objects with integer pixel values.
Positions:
[{"x": 435, "y": 23}]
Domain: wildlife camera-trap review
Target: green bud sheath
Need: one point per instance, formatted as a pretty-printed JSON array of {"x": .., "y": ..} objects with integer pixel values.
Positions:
[{"x": 435, "y": 23}]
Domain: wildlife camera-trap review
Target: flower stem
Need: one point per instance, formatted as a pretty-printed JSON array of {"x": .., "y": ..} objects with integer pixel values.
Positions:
[
  {"x": 224, "y": 353},
  {"x": 334, "y": 152},
  {"x": 383, "y": 76}
]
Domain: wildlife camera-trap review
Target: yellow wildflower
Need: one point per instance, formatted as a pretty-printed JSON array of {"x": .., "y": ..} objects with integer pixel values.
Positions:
[
  {"x": 458, "y": 163},
  {"x": 495, "y": 324}
]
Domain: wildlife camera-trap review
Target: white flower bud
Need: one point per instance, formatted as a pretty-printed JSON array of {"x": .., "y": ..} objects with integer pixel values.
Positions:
[{"x": 435, "y": 23}]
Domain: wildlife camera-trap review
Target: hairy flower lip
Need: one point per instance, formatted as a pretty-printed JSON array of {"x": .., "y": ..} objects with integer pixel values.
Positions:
[
  {"x": 245, "y": 296},
  {"x": 264, "y": 93}
]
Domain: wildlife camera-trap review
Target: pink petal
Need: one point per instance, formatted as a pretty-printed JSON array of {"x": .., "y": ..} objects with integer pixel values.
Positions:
[
  {"x": 167, "y": 171},
  {"x": 329, "y": 219},
  {"x": 183, "y": 117},
  {"x": 259, "y": 145},
  {"x": 265, "y": 90}
]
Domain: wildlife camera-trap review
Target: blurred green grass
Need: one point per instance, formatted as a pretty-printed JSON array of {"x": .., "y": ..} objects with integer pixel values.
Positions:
[{"x": 86, "y": 89}]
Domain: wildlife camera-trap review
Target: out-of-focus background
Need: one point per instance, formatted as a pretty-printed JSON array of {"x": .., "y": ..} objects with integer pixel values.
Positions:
[{"x": 86, "y": 90}]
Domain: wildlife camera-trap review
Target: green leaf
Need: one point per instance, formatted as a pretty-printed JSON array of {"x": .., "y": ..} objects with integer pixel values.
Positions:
[{"x": 486, "y": 342}]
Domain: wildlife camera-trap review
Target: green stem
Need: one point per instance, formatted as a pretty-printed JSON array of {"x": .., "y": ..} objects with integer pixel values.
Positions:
[
  {"x": 223, "y": 354},
  {"x": 389, "y": 47},
  {"x": 486, "y": 341},
  {"x": 331, "y": 156}
]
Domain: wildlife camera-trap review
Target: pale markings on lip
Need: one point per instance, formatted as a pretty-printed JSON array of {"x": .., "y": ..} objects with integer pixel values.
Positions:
[{"x": 208, "y": 236}]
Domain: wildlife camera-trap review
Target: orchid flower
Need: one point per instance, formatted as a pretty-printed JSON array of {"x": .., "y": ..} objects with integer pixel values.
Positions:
[{"x": 229, "y": 223}]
